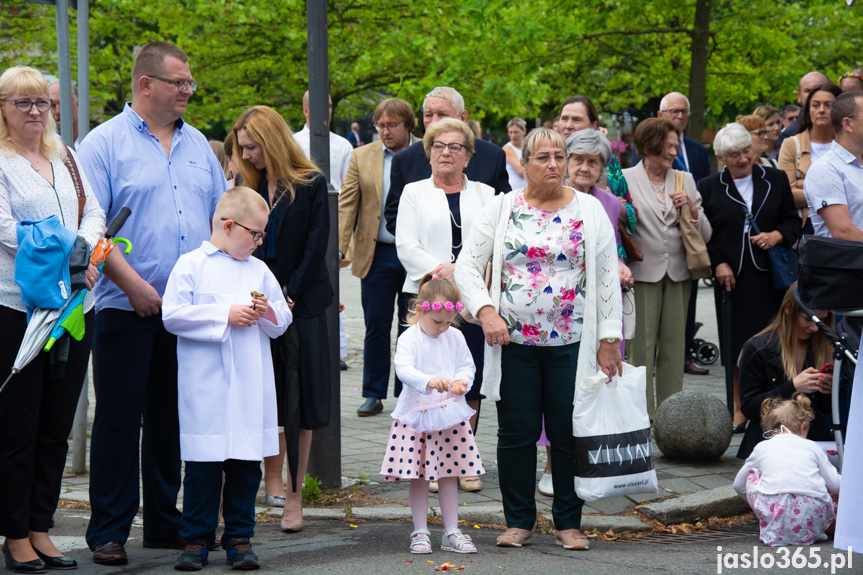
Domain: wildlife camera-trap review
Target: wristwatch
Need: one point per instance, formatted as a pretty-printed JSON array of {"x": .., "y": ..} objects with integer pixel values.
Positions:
[{"x": 610, "y": 340}]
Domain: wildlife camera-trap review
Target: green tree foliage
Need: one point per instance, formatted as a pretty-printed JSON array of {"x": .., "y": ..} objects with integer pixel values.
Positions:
[{"x": 507, "y": 58}]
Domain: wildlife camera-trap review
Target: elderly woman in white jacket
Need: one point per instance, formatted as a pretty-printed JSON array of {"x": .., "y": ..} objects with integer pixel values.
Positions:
[
  {"x": 551, "y": 316},
  {"x": 435, "y": 215}
]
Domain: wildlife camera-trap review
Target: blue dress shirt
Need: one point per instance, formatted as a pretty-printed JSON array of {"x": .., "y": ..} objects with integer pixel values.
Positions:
[{"x": 172, "y": 197}]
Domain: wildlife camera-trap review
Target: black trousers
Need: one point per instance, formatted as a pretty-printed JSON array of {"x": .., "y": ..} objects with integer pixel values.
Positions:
[
  {"x": 381, "y": 291},
  {"x": 136, "y": 365},
  {"x": 36, "y": 414}
]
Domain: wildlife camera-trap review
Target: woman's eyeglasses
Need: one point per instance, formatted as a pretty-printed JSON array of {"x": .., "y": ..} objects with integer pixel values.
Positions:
[
  {"x": 27, "y": 105},
  {"x": 453, "y": 148}
]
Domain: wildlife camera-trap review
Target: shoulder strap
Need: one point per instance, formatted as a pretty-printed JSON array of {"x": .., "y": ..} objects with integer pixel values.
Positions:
[
  {"x": 748, "y": 215},
  {"x": 799, "y": 149},
  {"x": 72, "y": 166}
]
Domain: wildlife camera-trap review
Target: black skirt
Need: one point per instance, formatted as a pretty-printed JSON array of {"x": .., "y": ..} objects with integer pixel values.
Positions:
[
  {"x": 302, "y": 368},
  {"x": 754, "y": 303}
]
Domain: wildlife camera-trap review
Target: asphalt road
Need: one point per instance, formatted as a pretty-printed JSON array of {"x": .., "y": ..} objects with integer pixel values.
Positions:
[{"x": 336, "y": 548}]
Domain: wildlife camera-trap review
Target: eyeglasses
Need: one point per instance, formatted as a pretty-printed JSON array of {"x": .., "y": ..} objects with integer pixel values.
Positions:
[
  {"x": 27, "y": 105},
  {"x": 439, "y": 147},
  {"x": 677, "y": 112},
  {"x": 546, "y": 158},
  {"x": 182, "y": 85},
  {"x": 256, "y": 235},
  {"x": 390, "y": 127},
  {"x": 759, "y": 133}
]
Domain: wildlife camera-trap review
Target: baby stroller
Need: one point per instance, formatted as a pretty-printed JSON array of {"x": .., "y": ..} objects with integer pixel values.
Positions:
[{"x": 831, "y": 271}]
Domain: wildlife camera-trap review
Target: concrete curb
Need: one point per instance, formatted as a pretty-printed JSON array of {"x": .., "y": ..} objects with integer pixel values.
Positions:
[{"x": 718, "y": 502}]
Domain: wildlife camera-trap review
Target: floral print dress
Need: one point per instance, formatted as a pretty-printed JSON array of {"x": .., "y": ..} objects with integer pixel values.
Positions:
[{"x": 544, "y": 274}]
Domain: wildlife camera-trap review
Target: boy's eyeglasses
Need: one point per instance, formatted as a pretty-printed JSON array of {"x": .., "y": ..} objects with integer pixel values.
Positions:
[{"x": 256, "y": 235}]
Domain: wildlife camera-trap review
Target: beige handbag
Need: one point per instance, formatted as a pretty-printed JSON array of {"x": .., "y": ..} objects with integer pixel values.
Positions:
[{"x": 697, "y": 259}]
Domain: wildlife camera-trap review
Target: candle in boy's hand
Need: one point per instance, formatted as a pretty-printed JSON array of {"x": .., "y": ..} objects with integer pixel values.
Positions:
[{"x": 256, "y": 294}]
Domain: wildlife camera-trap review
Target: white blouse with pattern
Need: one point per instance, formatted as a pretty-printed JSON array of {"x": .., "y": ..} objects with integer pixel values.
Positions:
[{"x": 26, "y": 195}]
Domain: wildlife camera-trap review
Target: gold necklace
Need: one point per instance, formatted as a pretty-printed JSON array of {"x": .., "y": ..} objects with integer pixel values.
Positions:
[
  {"x": 279, "y": 199},
  {"x": 32, "y": 165}
]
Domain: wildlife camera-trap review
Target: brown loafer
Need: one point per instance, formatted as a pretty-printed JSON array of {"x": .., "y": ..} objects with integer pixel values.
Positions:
[
  {"x": 109, "y": 553},
  {"x": 572, "y": 539},
  {"x": 514, "y": 538}
]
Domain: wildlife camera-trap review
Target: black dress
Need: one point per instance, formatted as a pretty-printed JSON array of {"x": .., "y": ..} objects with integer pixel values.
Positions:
[
  {"x": 754, "y": 300},
  {"x": 295, "y": 250},
  {"x": 474, "y": 337}
]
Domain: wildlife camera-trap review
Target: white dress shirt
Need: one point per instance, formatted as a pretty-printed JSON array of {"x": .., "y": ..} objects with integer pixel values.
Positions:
[{"x": 340, "y": 155}]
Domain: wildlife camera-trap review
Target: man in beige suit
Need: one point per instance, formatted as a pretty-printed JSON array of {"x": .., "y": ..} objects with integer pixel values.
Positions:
[{"x": 374, "y": 258}]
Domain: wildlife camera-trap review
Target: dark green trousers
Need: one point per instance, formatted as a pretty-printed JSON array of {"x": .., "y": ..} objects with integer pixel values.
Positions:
[{"x": 537, "y": 381}]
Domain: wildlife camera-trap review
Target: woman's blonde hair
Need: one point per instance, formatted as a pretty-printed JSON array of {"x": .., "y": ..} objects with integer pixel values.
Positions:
[
  {"x": 432, "y": 289},
  {"x": 792, "y": 413},
  {"x": 26, "y": 80},
  {"x": 286, "y": 162},
  {"x": 783, "y": 330}
]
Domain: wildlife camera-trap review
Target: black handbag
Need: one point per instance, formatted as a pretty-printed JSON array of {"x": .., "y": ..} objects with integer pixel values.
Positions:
[
  {"x": 783, "y": 261},
  {"x": 831, "y": 273}
]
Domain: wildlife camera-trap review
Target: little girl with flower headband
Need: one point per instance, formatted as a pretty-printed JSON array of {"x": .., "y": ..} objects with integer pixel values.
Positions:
[
  {"x": 431, "y": 439},
  {"x": 786, "y": 480}
]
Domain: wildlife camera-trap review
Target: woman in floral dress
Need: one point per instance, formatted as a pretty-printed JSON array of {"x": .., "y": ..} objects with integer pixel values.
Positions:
[{"x": 551, "y": 317}]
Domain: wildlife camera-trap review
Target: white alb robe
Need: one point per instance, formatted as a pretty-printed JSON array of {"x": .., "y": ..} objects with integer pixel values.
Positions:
[{"x": 226, "y": 386}]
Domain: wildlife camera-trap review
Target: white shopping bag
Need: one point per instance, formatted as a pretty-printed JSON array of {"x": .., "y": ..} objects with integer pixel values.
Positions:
[{"x": 614, "y": 454}]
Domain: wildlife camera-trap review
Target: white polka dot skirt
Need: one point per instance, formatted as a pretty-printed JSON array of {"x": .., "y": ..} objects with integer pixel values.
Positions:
[{"x": 432, "y": 455}]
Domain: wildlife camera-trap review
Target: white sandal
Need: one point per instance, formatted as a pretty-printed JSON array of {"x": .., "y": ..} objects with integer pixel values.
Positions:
[
  {"x": 462, "y": 544},
  {"x": 420, "y": 541}
]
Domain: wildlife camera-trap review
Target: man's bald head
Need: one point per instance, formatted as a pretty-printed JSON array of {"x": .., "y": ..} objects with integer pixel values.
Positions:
[
  {"x": 306, "y": 107},
  {"x": 807, "y": 84}
]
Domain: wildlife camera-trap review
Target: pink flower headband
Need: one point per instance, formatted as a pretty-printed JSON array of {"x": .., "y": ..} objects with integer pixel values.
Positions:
[{"x": 437, "y": 306}]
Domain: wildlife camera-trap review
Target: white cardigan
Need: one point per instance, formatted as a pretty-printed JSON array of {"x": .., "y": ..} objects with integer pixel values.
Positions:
[
  {"x": 424, "y": 233},
  {"x": 602, "y": 315},
  {"x": 790, "y": 464}
]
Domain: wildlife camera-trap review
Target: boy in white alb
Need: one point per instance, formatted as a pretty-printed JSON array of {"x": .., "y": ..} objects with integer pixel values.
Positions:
[{"x": 216, "y": 302}]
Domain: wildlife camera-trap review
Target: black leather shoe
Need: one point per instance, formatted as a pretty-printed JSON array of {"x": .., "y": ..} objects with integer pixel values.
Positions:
[
  {"x": 34, "y": 566},
  {"x": 110, "y": 553},
  {"x": 371, "y": 407},
  {"x": 693, "y": 368},
  {"x": 59, "y": 563},
  {"x": 739, "y": 428},
  {"x": 175, "y": 542}
]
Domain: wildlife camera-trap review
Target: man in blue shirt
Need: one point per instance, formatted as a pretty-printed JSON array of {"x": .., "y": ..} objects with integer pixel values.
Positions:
[
  {"x": 148, "y": 159},
  {"x": 834, "y": 184}
]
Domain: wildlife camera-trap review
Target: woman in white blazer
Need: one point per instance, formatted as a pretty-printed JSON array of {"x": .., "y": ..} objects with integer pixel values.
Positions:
[
  {"x": 434, "y": 216},
  {"x": 662, "y": 280}
]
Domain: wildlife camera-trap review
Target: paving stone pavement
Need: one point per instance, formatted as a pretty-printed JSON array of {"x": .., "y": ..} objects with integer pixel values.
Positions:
[{"x": 364, "y": 438}]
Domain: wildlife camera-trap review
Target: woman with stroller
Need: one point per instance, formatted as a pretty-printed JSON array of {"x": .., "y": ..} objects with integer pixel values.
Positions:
[{"x": 784, "y": 358}]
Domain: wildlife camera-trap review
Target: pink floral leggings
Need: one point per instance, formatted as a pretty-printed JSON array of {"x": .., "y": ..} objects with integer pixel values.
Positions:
[{"x": 786, "y": 518}]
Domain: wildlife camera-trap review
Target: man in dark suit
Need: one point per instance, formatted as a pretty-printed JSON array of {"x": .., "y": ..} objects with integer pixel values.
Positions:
[
  {"x": 804, "y": 87},
  {"x": 354, "y": 135},
  {"x": 487, "y": 165},
  {"x": 692, "y": 157}
]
